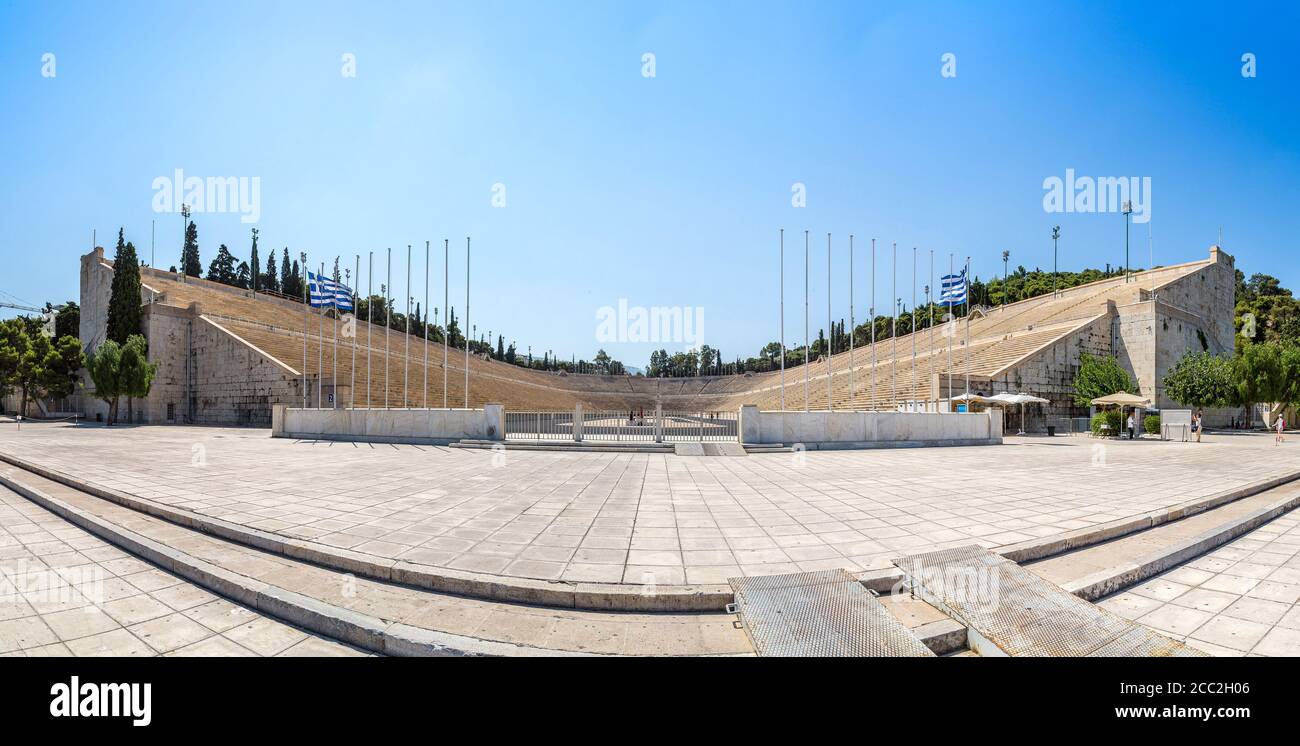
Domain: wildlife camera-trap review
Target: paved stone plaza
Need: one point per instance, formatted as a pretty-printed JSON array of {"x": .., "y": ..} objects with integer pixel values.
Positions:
[
  {"x": 1240, "y": 599},
  {"x": 638, "y": 518},
  {"x": 65, "y": 592}
]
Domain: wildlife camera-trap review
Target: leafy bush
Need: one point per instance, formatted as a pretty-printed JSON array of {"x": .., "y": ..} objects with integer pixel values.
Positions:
[
  {"x": 1151, "y": 423},
  {"x": 1111, "y": 418}
]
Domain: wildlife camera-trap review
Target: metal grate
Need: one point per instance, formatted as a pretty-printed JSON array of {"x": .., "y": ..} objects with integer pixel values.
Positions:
[
  {"x": 821, "y": 614},
  {"x": 1012, "y": 611}
]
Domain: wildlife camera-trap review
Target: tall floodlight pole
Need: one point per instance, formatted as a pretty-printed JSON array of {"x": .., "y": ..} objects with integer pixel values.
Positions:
[
  {"x": 306, "y": 330},
  {"x": 1151, "y": 260},
  {"x": 354, "y": 334},
  {"x": 406, "y": 356},
  {"x": 852, "y": 324},
  {"x": 153, "y": 229},
  {"x": 1005, "y": 256},
  {"x": 388, "y": 320},
  {"x": 446, "y": 317},
  {"x": 370, "y": 315},
  {"x": 425, "y": 321},
  {"x": 805, "y": 321},
  {"x": 782, "y": 258},
  {"x": 1056, "y": 237},
  {"x": 872, "y": 315},
  {"x": 893, "y": 335},
  {"x": 1128, "y": 214},
  {"x": 830, "y": 328},
  {"x": 467, "y": 321}
]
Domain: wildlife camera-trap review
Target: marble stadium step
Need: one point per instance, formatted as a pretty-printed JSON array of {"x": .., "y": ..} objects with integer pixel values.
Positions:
[{"x": 382, "y": 617}]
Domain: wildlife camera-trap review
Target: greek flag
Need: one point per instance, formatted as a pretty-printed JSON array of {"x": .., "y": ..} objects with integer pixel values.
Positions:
[
  {"x": 954, "y": 289},
  {"x": 328, "y": 293}
]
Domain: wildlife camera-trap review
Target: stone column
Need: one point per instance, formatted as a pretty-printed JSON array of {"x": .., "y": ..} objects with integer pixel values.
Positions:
[
  {"x": 749, "y": 428},
  {"x": 659, "y": 423},
  {"x": 495, "y": 417},
  {"x": 577, "y": 422}
]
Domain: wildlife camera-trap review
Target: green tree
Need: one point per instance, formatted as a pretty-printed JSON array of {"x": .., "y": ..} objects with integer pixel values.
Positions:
[
  {"x": 190, "y": 263},
  {"x": 1200, "y": 379},
  {"x": 124, "y": 302},
  {"x": 105, "y": 373},
  {"x": 270, "y": 279},
  {"x": 136, "y": 373},
  {"x": 67, "y": 320},
  {"x": 1099, "y": 376},
  {"x": 222, "y": 268},
  {"x": 34, "y": 363},
  {"x": 1267, "y": 373}
]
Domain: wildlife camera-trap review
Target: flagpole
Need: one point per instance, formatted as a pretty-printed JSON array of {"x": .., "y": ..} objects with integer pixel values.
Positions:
[
  {"x": 872, "y": 314},
  {"x": 388, "y": 320},
  {"x": 805, "y": 321},
  {"x": 446, "y": 318},
  {"x": 830, "y": 328},
  {"x": 425, "y": 321},
  {"x": 966, "y": 280},
  {"x": 354, "y": 333},
  {"x": 852, "y": 323},
  {"x": 893, "y": 336},
  {"x": 370, "y": 327},
  {"x": 306, "y": 330},
  {"x": 320, "y": 349},
  {"x": 912, "y": 406},
  {"x": 951, "y": 323},
  {"x": 466, "y": 321},
  {"x": 929, "y": 296},
  {"x": 406, "y": 361},
  {"x": 334, "y": 327},
  {"x": 783, "y": 319}
]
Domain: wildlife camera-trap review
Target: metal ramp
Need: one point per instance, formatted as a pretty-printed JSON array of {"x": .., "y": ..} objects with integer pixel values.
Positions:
[
  {"x": 820, "y": 614},
  {"x": 1011, "y": 611}
]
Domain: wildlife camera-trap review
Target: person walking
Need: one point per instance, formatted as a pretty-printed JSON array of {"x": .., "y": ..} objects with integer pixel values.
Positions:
[
  {"x": 1280, "y": 424},
  {"x": 1197, "y": 424},
  {"x": 1130, "y": 426}
]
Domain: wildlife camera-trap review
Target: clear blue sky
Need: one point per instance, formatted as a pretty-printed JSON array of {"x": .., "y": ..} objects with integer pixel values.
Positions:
[{"x": 666, "y": 191}]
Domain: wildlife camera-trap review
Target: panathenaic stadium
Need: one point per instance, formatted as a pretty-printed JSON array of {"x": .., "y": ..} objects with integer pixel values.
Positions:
[
  {"x": 544, "y": 514},
  {"x": 227, "y": 356}
]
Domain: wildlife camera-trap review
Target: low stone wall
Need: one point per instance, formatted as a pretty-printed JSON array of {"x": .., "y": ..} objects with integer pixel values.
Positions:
[
  {"x": 427, "y": 426},
  {"x": 820, "y": 430}
]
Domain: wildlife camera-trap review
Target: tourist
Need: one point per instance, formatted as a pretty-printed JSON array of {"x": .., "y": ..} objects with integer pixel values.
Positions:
[
  {"x": 1281, "y": 423},
  {"x": 1130, "y": 426},
  {"x": 1197, "y": 425}
]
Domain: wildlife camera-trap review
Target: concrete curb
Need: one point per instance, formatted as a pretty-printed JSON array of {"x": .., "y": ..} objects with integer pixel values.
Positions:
[
  {"x": 596, "y": 596},
  {"x": 1112, "y": 579},
  {"x": 362, "y": 630}
]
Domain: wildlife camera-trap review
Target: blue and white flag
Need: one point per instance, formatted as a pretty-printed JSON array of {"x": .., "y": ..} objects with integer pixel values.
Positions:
[
  {"x": 327, "y": 293},
  {"x": 954, "y": 289}
]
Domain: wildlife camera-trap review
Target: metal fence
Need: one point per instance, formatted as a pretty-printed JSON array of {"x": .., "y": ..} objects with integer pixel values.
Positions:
[
  {"x": 539, "y": 425},
  {"x": 635, "y": 426},
  {"x": 701, "y": 426}
]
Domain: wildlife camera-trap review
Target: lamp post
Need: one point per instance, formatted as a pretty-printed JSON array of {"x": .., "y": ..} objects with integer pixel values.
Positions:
[{"x": 1056, "y": 237}]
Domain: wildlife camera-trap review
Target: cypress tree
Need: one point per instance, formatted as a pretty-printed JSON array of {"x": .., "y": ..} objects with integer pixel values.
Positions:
[
  {"x": 190, "y": 263},
  {"x": 271, "y": 277},
  {"x": 124, "y": 299},
  {"x": 286, "y": 280}
]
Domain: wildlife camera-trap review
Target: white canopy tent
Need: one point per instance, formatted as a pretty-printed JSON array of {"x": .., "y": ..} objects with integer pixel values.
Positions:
[{"x": 1010, "y": 399}]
